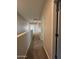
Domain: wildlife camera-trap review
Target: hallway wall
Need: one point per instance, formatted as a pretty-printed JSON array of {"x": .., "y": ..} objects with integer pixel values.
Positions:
[
  {"x": 20, "y": 24},
  {"x": 48, "y": 28},
  {"x": 24, "y": 41}
]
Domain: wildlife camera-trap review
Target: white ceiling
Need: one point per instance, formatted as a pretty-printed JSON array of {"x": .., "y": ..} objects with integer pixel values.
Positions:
[{"x": 30, "y": 9}]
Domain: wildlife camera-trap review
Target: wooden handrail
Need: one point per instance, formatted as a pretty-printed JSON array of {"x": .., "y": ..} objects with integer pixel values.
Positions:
[{"x": 20, "y": 34}]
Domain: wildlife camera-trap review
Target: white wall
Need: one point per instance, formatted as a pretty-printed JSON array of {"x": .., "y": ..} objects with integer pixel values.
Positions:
[
  {"x": 24, "y": 41},
  {"x": 20, "y": 24}
]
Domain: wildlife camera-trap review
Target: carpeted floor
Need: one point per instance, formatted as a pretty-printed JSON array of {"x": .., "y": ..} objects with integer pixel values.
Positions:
[{"x": 36, "y": 50}]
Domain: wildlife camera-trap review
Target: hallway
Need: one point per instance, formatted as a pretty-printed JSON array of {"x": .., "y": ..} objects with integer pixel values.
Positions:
[
  {"x": 36, "y": 50},
  {"x": 36, "y": 17}
]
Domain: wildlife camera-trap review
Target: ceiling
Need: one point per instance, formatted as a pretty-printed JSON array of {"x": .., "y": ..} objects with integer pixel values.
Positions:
[{"x": 30, "y": 9}]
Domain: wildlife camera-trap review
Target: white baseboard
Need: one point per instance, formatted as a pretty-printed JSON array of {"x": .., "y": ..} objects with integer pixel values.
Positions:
[
  {"x": 28, "y": 48},
  {"x": 46, "y": 52},
  {"x": 29, "y": 43},
  {"x": 23, "y": 57}
]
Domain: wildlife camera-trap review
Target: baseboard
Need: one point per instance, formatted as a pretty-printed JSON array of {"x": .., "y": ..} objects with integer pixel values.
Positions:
[
  {"x": 46, "y": 52},
  {"x": 24, "y": 56},
  {"x": 29, "y": 44},
  {"x": 28, "y": 48},
  {"x": 21, "y": 56}
]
